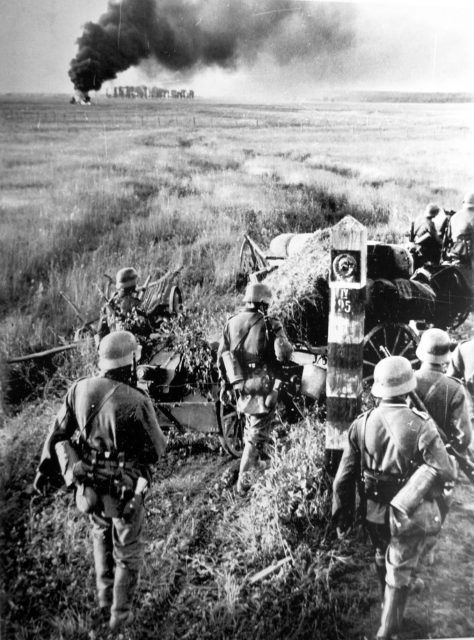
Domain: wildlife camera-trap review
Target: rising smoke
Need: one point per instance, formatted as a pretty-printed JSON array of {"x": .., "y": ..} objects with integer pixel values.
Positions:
[{"x": 184, "y": 35}]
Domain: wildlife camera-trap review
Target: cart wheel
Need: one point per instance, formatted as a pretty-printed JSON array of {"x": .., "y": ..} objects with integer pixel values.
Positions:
[
  {"x": 232, "y": 429},
  {"x": 398, "y": 338},
  {"x": 249, "y": 262}
]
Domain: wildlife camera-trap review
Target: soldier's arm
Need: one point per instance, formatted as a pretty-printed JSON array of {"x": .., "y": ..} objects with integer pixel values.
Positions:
[
  {"x": 434, "y": 452},
  {"x": 460, "y": 420},
  {"x": 347, "y": 476},
  {"x": 224, "y": 345},
  {"x": 157, "y": 440},
  {"x": 63, "y": 428}
]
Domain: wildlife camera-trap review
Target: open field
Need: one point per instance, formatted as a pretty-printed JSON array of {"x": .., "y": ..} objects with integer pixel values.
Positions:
[{"x": 160, "y": 185}]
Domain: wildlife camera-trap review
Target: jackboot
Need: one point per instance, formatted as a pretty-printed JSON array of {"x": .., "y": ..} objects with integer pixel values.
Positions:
[
  {"x": 381, "y": 573},
  {"x": 404, "y": 591},
  {"x": 125, "y": 583},
  {"x": 389, "y": 620},
  {"x": 104, "y": 568}
]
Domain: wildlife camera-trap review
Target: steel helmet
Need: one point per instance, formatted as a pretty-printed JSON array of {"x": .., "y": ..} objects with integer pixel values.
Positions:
[
  {"x": 469, "y": 199},
  {"x": 258, "y": 292},
  {"x": 393, "y": 377},
  {"x": 117, "y": 350},
  {"x": 283, "y": 349},
  {"x": 431, "y": 210},
  {"x": 434, "y": 347},
  {"x": 126, "y": 278}
]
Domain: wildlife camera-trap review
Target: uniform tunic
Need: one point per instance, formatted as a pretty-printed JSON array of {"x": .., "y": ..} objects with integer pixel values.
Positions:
[
  {"x": 123, "y": 313},
  {"x": 252, "y": 338},
  {"x": 427, "y": 238},
  {"x": 462, "y": 367},
  {"x": 446, "y": 402},
  {"x": 395, "y": 439},
  {"x": 108, "y": 416}
]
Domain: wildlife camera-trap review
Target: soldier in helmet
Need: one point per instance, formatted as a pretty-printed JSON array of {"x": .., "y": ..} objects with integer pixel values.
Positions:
[
  {"x": 461, "y": 232},
  {"x": 122, "y": 311},
  {"x": 103, "y": 441},
  {"x": 247, "y": 360},
  {"x": 442, "y": 395},
  {"x": 426, "y": 238},
  {"x": 385, "y": 446}
]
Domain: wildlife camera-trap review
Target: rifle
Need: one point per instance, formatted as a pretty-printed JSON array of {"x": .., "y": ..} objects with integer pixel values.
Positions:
[
  {"x": 465, "y": 463},
  {"x": 77, "y": 311}
]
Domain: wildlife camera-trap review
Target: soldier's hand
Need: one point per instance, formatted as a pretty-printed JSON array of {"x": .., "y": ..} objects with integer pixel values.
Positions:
[
  {"x": 40, "y": 484},
  {"x": 80, "y": 471}
]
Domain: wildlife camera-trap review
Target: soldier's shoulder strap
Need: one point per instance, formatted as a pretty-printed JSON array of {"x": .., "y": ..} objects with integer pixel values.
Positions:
[
  {"x": 456, "y": 380},
  {"x": 421, "y": 414}
]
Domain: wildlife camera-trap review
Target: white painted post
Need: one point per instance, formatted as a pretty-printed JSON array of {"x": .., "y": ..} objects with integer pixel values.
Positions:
[{"x": 347, "y": 283}]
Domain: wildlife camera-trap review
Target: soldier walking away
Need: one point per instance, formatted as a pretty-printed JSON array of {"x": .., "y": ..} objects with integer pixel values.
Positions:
[
  {"x": 103, "y": 441},
  {"x": 122, "y": 312},
  {"x": 387, "y": 448},
  {"x": 248, "y": 365},
  {"x": 446, "y": 402},
  {"x": 461, "y": 233},
  {"x": 425, "y": 237}
]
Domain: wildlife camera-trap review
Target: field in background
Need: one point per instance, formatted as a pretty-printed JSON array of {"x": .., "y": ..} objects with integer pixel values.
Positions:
[{"x": 158, "y": 185}]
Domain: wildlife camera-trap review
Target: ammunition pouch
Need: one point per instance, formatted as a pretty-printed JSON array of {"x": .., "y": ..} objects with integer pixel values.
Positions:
[
  {"x": 381, "y": 488},
  {"x": 112, "y": 479}
]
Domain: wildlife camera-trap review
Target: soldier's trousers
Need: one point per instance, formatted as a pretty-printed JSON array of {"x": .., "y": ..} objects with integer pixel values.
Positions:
[
  {"x": 400, "y": 554},
  {"x": 118, "y": 549}
]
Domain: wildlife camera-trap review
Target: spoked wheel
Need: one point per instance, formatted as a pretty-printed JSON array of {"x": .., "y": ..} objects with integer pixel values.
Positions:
[
  {"x": 250, "y": 261},
  {"x": 399, "y": 340},
  {"x": 232, "y": 429}
]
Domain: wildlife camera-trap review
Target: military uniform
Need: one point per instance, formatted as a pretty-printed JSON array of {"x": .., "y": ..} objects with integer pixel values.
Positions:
[
  {"x": 252, "y": 336},
  {"x": 462, "y": 364},
  {"x": 123, "y": 312},
  {"x": 461, "y": 230},
  {"x": 383, "y": 448},
  {"x": 114, "y": 430},
  {"x": 446, "y": 402},
  {"x": 426, "y": 237}
]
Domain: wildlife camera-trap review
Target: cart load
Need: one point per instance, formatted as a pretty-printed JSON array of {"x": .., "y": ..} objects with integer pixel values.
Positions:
[{"x": 301, "y": 289}]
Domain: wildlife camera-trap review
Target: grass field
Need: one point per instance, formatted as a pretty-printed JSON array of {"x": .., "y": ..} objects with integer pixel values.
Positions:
[{"x": 161, "y": 185}]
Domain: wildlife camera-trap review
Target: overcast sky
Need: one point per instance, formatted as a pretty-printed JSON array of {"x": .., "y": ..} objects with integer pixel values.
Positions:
[{"x": 402, "y": 45}]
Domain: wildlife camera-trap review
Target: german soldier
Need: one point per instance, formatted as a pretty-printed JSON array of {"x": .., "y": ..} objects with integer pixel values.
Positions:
[
  {"x": 461, "y": 231},
  {"x": 385, "y": 446},
  {"x": 446, "y": 402},
  {"x": 426, "y": 238},
  {"x": 123, "y": 312},
  {"x": 442, "y": 395},
  {"x": 103, "y": 440},
  {"x": 247, "y": 363}
]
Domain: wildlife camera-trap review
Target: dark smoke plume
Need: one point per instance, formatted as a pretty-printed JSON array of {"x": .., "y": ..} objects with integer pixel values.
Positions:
[{"x": 183, "y": 35}]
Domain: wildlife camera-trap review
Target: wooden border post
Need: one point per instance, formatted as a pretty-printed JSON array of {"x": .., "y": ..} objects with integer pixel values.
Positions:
[{"x": 347, "y": 281}]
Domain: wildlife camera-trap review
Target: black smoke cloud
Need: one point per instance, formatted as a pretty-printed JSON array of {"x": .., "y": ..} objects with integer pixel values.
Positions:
[{"x": 185, "y": 35}]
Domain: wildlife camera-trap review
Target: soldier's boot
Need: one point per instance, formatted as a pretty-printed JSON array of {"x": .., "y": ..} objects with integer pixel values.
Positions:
[
  {"x": 381, "y": 573},
  {"x": 389, "y": 620},
  {"x": 104, "y": 571},
  {"x": 247, "y": 462},
  {"x": 125, "y": 583},
  {"x": 403, "y": 597}
]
